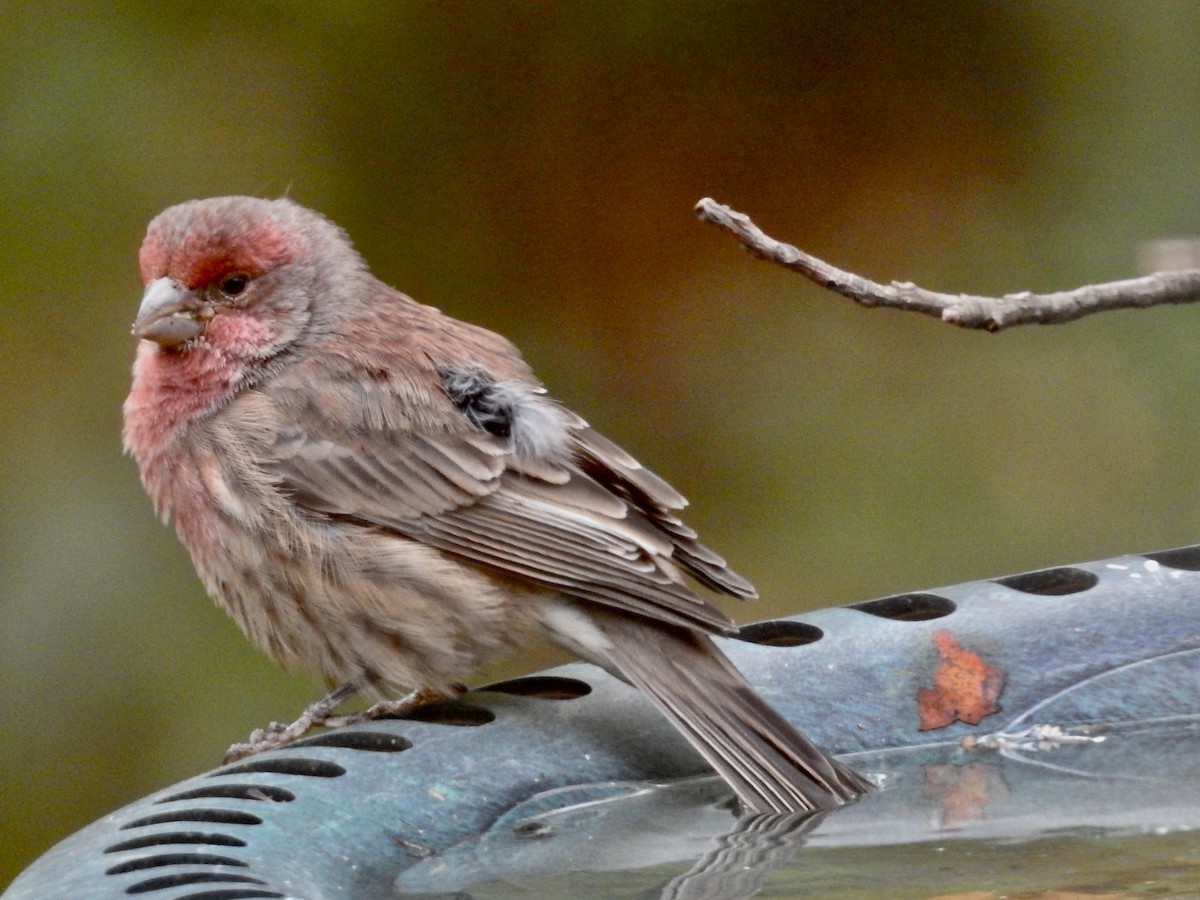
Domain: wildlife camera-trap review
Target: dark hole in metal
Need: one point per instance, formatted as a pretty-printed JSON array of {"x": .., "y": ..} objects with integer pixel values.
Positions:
[
  {"x": 779, "y": 633},
  {"x": 371, "y": 741},
  {"x": 266, "y": 792},
  {"x": 533, "y": 828},
  {"x": 173, "y": 859},
  {"x": 1180, "y": 558},
  {"x": 451, "y": 712},
  {"x": 1051, "y": 582},
  {"x": 229, "y": 894},
  {"x": 218, "y": 816},
  {"x": 235, "y": 894},
  {"x": 170, "y": 881},
  {"x": 547, "y": 687},
  {"x": 176, "y": 837},
  {"x": 286, "y": 765},
  {"x": 907, "y": 607}
]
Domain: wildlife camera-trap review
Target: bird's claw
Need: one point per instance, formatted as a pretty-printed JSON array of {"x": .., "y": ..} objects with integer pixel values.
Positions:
[
  {"x": 273, "y": 737},
  {"x": 277, "y": 735},
  {"x": 384, "y": 709}
]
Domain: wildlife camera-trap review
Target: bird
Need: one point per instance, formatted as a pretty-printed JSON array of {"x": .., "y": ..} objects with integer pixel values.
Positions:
[{"x": 387, "y": 498}]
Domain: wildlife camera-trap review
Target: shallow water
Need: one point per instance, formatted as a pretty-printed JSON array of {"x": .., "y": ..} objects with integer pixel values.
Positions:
[
  {"x": 1063, "y": 866},
  {"x": 1098, "y": 815}
]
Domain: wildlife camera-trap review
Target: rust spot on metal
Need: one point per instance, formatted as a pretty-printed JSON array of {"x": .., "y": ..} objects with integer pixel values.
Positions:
[{"x": 965, "y": 688}]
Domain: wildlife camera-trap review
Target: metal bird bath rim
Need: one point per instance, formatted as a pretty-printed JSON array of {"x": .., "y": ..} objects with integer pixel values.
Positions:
[{"x": 427, "y": 802}]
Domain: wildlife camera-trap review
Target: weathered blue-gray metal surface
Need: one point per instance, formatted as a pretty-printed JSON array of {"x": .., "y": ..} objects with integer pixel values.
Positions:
[{"x": 556, "y": 771}]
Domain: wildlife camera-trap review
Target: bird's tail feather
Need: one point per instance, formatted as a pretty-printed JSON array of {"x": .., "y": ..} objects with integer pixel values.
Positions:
[{"x": 771, "y": 766}]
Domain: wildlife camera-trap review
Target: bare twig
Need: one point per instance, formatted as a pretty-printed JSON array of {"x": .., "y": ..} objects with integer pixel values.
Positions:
[{"x": 968, "y": 311}]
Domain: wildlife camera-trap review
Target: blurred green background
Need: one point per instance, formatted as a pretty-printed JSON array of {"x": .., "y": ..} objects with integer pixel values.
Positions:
[{"x": 532, "y": 167}]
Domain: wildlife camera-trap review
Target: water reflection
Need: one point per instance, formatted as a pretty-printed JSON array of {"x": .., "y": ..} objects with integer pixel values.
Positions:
[{"x": 1107, "y": 810}]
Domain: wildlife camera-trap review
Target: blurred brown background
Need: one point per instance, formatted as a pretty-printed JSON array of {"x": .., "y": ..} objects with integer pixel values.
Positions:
[{"x": 532, "y": 167}]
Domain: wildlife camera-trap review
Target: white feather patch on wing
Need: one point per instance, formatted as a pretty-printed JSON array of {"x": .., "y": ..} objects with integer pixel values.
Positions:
[
  {"x": 537, "y": 428},
  {"x": 539, "y": 425},
  {"x": 575, "y": 630}
]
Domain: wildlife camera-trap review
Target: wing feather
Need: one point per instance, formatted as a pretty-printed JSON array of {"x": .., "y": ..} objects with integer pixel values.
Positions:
[{"x": 592, "y": 523}]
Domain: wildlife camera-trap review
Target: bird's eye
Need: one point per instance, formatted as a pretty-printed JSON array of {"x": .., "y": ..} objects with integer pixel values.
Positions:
[{"x": 232, "y": 285}]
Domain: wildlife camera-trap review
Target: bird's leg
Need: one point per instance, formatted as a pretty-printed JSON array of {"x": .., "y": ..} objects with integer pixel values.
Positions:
[
  {"x": 320, "y": 713},
  {"x": 389, "y": 709},
  {"x": 383, "y": 709},
  {"x": 278, "y": 735}
]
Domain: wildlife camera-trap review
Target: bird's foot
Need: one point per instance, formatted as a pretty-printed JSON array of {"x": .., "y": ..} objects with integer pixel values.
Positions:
[
  {"x": 386, "y": 709},
  {"x": 278, "y": 735},
  {"x": 320, "y": 713}
]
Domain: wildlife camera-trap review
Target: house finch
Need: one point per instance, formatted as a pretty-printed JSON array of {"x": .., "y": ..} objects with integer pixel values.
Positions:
[{"x": 385, "y": 496}]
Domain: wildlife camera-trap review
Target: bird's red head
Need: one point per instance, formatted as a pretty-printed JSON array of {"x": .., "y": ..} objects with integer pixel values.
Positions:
[
  {"x": 230, "y": 285},
  {"x": 227, "y": 274},
  {"x": 200, "y": 242}
]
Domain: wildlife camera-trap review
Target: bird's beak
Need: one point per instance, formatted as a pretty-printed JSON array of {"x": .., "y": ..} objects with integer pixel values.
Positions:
[{"x": 170, "y": 314}]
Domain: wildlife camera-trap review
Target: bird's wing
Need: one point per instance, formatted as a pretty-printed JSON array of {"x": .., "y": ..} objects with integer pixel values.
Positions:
[
  {"x": 624, "y": 476},
  {"x": 589, "y": 521}
]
